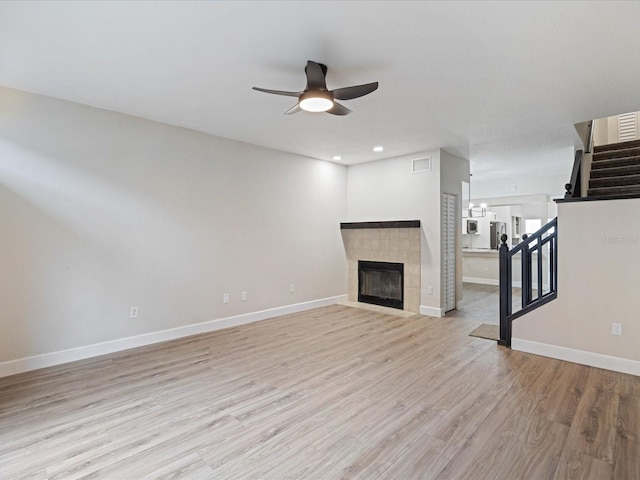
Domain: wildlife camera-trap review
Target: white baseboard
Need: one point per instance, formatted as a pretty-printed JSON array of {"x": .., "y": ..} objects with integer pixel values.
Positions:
[
  {"x": 35, "y": 362},
  {"x": 582, "y": 357},
  {"x": 431, "y": 311}
]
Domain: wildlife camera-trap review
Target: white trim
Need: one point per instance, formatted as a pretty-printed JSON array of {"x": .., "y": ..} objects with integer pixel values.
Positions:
[
  {"x": 617, "y": 364},
  {"x": 481, "y": 281},
  {"x": 431, "y": 311},
  {"x": 35, "y": 362}
]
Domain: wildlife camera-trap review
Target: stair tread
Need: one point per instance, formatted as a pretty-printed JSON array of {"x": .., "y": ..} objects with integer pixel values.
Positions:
[
  {"x": 615, "y": 162},
  {"x": 615, "y": 171},
  {"x": 617, "y": 190},
  {"x": 621, "y": 153},
  {"x": 615, "y": 196},
  {"x": 635, "y": 152},
  {"x": 616, "y": 146},
  {"x": 622, "y": 180},
  {"x": 635, "y": 176}
]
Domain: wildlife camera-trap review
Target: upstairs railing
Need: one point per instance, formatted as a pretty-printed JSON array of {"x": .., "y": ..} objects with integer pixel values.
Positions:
[{"x": 538, "y": 272}]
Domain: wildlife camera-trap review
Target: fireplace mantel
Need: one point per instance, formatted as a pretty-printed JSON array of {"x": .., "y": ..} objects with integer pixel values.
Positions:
[{"x": 392, "y": 224}]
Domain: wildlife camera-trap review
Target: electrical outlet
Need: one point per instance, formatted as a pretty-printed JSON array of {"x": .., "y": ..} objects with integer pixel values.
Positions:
[
  {"x": 429, "y": 290},
  {"x": 616, "y": 328},
  {"x": 133, "y": 312},
  {"x": 292, "y": 288},
  {"x": 225, "y": 298},
  {"x": 244, "y": 296}
]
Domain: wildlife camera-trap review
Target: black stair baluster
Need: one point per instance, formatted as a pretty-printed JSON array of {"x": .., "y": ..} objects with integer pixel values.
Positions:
[{"x": 506, "y": 261}]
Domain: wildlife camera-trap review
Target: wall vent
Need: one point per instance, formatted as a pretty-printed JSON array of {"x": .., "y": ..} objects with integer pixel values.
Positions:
[
  {"x": 627, "y": 127},
  {"x": 420, "y": 165}
]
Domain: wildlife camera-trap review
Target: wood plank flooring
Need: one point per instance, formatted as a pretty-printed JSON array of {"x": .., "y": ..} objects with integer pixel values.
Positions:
[{"x": 332, "y": 393}]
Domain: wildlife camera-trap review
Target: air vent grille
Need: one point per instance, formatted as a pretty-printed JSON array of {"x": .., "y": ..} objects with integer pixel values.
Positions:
[
  {"x": 420, "y": 165},
  {"x": 627, "y": 127}
]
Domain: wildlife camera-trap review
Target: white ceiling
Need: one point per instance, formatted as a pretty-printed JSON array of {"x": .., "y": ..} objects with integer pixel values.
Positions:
[{"x": 498, "y": 82}]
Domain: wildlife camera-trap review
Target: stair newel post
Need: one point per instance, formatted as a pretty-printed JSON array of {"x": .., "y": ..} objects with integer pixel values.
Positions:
[{"x": 505, "y": 293}]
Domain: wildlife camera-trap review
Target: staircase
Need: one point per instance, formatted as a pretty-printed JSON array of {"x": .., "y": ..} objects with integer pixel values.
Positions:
[
  {"x": 615, "y": 170},
  {"x": 544, "y": 264}
]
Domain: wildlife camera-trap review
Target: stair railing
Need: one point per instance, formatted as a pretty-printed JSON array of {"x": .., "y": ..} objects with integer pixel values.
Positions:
[
  {"x": 589, "y": 143},
  {"x": 534, "y": 244},
  {"x": 574, "y": 187}
]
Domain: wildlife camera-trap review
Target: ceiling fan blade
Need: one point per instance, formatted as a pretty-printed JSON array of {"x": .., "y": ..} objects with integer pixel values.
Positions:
[
  {"x": 315, "y": 76},
  {"x": 278, "y": 92},
  {"x": 347, "y": 93},
  {"x": 295, "y": 109},
  {"x": 338, "y": 109}
]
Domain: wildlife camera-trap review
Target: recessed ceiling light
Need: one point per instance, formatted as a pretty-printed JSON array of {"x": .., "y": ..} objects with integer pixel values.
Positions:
[
  {"x": 378, "y": 148},
  {"x": 337, "y": 157}
]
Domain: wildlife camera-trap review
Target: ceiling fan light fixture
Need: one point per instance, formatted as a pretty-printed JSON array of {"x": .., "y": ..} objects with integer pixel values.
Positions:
[
  {"x": 317, "y": 98},
  {"x": 316, "y": 101}
]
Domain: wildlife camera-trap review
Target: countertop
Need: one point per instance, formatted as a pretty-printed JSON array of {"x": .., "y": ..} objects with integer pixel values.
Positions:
[{"x": 480, "y": 250}]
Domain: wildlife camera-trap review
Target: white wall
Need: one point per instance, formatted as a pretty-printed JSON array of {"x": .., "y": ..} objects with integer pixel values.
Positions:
[
  {"x": 102, "y": 211},
  {"x": 606, "y": 130},
  {"x": 601, "y": 131},
  {"x": 491, "y": 187},
  {"x": 388, "y": 190},
  {"x": 599, "y": 261}
]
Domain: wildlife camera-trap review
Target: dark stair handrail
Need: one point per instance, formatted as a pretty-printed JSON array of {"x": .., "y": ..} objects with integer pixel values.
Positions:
[
  {"x": 574, "y": 187},
  {"x": 589, "y": 143},
  {"x": 548, "y": 234}
]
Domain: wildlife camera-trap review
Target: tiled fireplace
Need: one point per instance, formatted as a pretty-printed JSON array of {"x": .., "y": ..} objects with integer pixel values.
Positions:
[{"x": 390, "y": 243}]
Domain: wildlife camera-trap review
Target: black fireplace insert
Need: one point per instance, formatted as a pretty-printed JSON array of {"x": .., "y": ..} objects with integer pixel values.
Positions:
[{"x": 381, "y": 283}]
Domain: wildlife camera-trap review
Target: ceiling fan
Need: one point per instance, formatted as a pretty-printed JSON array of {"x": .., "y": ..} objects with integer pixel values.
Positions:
[{"x": 316, "y": 97}]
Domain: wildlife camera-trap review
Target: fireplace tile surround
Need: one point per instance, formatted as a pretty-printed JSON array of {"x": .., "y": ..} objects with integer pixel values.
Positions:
[{"x": 385, "y": 242}]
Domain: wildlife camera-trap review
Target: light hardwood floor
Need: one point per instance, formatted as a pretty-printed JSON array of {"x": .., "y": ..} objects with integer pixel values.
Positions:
[{"x": 336, "y": 392}]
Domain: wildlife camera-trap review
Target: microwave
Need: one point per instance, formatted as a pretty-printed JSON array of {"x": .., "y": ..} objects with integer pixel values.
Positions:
[{"x": 472, "y": 226}]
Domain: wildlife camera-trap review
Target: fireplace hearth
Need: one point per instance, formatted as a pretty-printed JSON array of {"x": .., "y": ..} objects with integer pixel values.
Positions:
[{"x": 381, "y": 283}]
